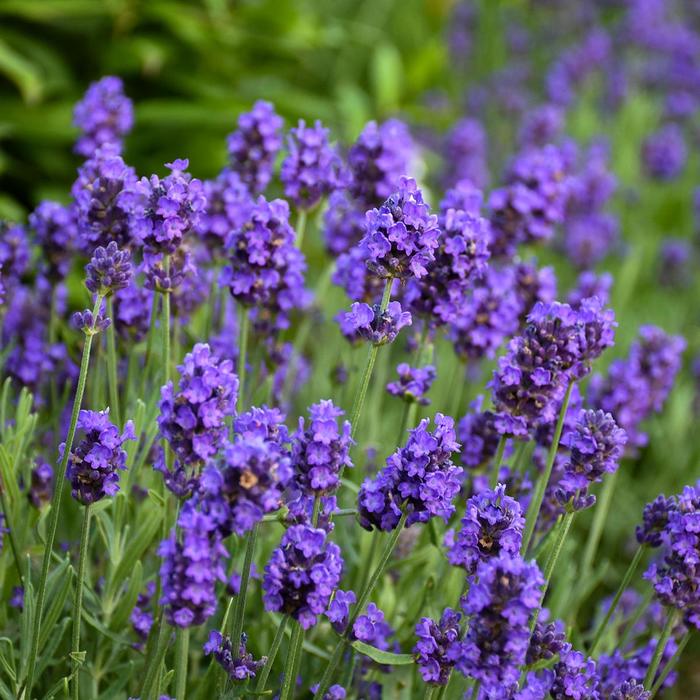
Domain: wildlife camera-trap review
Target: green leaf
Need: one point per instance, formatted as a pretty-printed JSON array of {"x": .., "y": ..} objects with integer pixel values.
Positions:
[
  {"x": 387, "y": 77},
  {"x": 9, "y": 478},
  {"x": 383, "y": 657},
  {"x": 128, "y": 600},
  {"x": 58, "y": 586},
  {"x": 22, "y": 72}
]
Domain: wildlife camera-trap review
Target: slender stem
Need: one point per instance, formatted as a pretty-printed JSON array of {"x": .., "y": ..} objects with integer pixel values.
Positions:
[
  {"x": 632, "y": 622},
  {"x": 301, "y": 227},
  {"x": 166, "y": 325},
  {"x": 671, "y": 663},
  {"x": 78, "y": 602},
  {"x": 239, "y": 610},
  {"x": 150, "y": 340},
  {"x": 359, "y": 608},
  {"x": 10, "y": 532},
  {"x": 276, "y": 642},
  {"x": 498, "y": 458},
  {"x": 457, "y": 388},
  {"x": 290, "y": 671},
  {"x": 408, "y": 418},
  {"x": 162, "y": 639},
  {"x": 538, "y": 496},
  {"x": 613, "y": 606},
  {"x": 369, "y": 366},
  {"x": 660, "y": 646},
  {"x": 243, "y": 331},
  {"x": 182, "y": 652},
  {"x": 112, "y": 365},
  {"x": 430, "y": 692},
  {"x": 599, "y": 518},
  {"x": 56, "y": 506}
]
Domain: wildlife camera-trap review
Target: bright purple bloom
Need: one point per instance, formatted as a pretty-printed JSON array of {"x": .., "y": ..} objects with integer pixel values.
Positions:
[
  {"x": 589, "y": 284},
  {"x": 502, "y": 596},
  {"x": 479, "y": 435},
  {"x": 15, "y": 251},
  {"x": 465, "y": 153},
  {"x": 588, "y": 239},
  {"x": 547, "y": 640},
  {"x": 492, "y": 526},
  {"x": 438, "y": 646},
  {"x": 664, "y": 153},
  {"x": 339, "y": 609},
  {"x": 56, "y": 231},
  {"x": 413, "y": 383},
  {"x": 343, "y": 222},
  {"x": 576, "y": 677},
  {"x": 94, "y": 462},
  {"x": 240, "y": 667},
  {"x": 401, "y": 235},
  {"x": 302, "y": 574},
  {"x": 463, "y": 196},
  {"x": 655, "y": 520},
  {"x": 320, "y": 450},
  {"x": 365, "y": 322},
  {"x": 85, "y": 322},
  {"x": 104, "y": 116},
  {"x": 227, "y": 208},
  {"x": 532, "y": 285},
  {"x": 419, "y": 479},
  {"x": 142, "y": 616},
  {"x": 371, "y": 628},
  {"x": 312, "y": 168},
  {"x": 629, "y": 690},
  {"x": 132, "y": 311},
  {"x": 193, "y": 418},
  {"x": 165, "y": 210},
  {"x": 378, "y": 159},
  {"x": 109, "y": 270},
  {"x": 100, "y": 214},
  {"x": 253, "y": 147}
]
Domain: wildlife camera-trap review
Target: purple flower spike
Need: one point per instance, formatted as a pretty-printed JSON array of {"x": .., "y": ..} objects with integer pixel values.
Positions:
[
  {"x": 629, "y": 690},
  {"x": 413, "y": 383},
  {"x": 104, "y": 116},
  {"x": 465, "y": 152},
  {"x": 339, "y": 609},
  {"x": 371, "y": 628},
  {"x": 365, "y": 322},
  {"x": 238, "y": 668},
  {"x": 320, "y": 451},
  {"x": 402, "y": 234},
  {"x": 438, "y": 646},
  {"x": 253, "y": 147},
  {"x": 192, "y": 419},
  {"x": 479, "y": 435},
  {"x": 664, "y": 153},
  {"x": 85, "y": 322},
  {"x": 492, "y": 526},
  {"x": 419, "y": 478},
  {"x": 312, "y": 168},
  {"x": 56, "y": 230},
  {"x": 302, "y": 574},
  {"x": 94, "y": 462},
  {"x": 343, "y": 223},
  {"x": 575, "y": 677},
  {"x": 109, "y": 270}
]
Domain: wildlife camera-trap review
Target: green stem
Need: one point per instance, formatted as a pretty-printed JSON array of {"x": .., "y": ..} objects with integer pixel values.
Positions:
[
  {"x": 78, "y": 602},
  {"x": 10, "y": 532},
  {"x": 671, "y": 663},
  {"x": 161, "y": 640},
  {"x": 166, "y": 325},
  {"x": 430, "y": 692},
  {"x": 599, "y": 518},
  {"x": 660, "y": 646},
  {"x": 408, "y": 418},
  {"x": 243, "y": 332},
  {"x": 475, "y": 690},
  {"x": 632, "y": 622},
  {"x": 56, "y": 505},
  {"x": 290, "y": 671},
  {"x": 613, "y": 606},
  {"x": 149, "y": 342},
  {"x": 182, "y": 652},
  {"x": 369, "y": 366},
  {"x": 112, "y": 365},
  {"x": 302, "y": 217},
  {"x": 239, "y": 610},
  {"x": 538, "y": 496},
  {"x": 359, "y": 608},
  {"x": 498, "y": 458},
  {"x": 271, "y": 655}
]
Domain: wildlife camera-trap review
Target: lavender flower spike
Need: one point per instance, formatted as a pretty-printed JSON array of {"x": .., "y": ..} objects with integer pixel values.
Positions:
[{"x": 109, "y": 270}]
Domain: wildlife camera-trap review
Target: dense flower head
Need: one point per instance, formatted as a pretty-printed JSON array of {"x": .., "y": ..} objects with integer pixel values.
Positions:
[
  {"x": 419, "y": 478},
  {"x": 460, "y": 258},
  {"x": 401, "y": 235},
  {"x": 343, "y": 222},
  {"x": 369, "y": 323},
  {"x": 589, "y": 239},
  {"x": 591, "y": 184},
  {"x": 596, "y": 445},
  {"x": 253, "y": 147},
  {"x": 655, "y": 520},
  {"x": 339, "y": 609},
  {"x": 379, "y": 157},
  {"x": 132, "y": 311},
  {"x": 163, "y": 210},
  {"x": 312, "y": 168},
  {"x": 86, "y": 322},
  {"x": 141, "y": 616},
  {"x": 104, "y": 116},
  {"x": 109, "y": 270},
  {"x": 462, "y": 196},
  {"x": 540, "y": 126},
  {"x": 466, "y": 151},
  {"x": 249, "y": 477},
  {"x": 531, "y": 203},
  {"x": 56, "y": 231},
  {"x": 371, "y": 628},
  {"x": 664, "y": 153},
  {"x": 266, "y": 270},
  {"x": 488, "y": 316},
  {"x": 675, "y": 577},
  {"x": 413, "y": 383},
  {"x": 41, "y": 484},
  {"x": 102, "y": 216},
  {"x": 320, "y": 449},
  {"x": 192, "y": 564},
  {"x": 589, "y": 284},
  {"x": 533, "y": 284},
  {"x": 15, "y": 251},
  {"x": 351, "y": 273},
  {"x": 192, "y": 419},
  {"x": 238, "y": 667},
  {"x": 547, "y": 640},
  {"x": 438, "y": 646},
  {"x": 502, "y": 596},
  {"x": 629, "y": 690},
  {"x": 492, "y": 526},
  {"x": 228, "y": 203},
  {"x": 302, "y": 574},
  {"x": 478, "y": 434},
  {"x": 576, "y": 677},
  {"x": 94, "y": 462}
]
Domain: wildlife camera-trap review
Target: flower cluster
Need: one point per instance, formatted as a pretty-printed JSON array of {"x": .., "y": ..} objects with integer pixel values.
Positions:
[
  {"x": 465, "y": 151},
  {"x": 227, "y": 209},
  {"x": 239, "y": 667},
  {"x": 302, "y": 574},
  {"x": 370, "y": 323},
  {"x": 413, "y": 383},
  {"x": 478, "y": 433},
  {"x": 419, "y": 479},
  {"x": 664, "y": 153},
  {"x": 56, "y": 231},
  {"x": 109, "y": 270},
  {"x": 402, "y": 234},
  {"x": 438, "y": 646}
]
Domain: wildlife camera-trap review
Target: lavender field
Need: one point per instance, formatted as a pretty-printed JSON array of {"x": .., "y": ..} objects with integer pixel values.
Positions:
[{"x": 350, "y": 350}]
